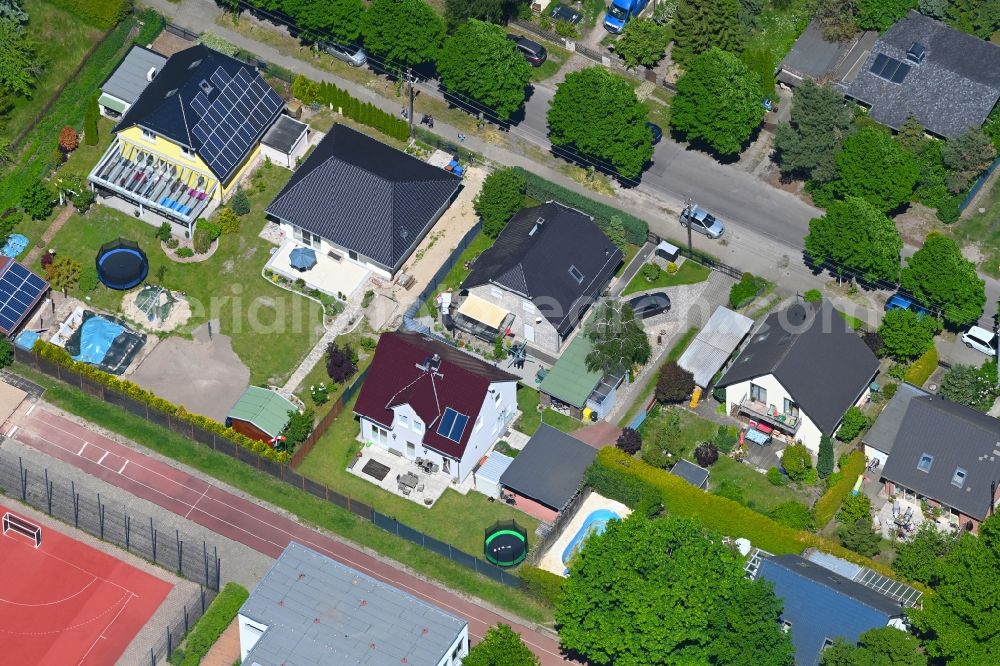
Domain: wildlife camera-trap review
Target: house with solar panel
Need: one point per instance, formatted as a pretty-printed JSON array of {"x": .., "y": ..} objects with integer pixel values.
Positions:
[
  {"x": 182, "y": 146},
  {"x": 948, "y": 79},
  {"x": 21, "y": 293},
  {"x": 424, "y": 398}
]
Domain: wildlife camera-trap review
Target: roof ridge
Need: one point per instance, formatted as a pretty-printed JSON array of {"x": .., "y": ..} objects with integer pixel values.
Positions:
[
  {"x": 833, "y": 588},
  {"x": 964, "y": 413}
]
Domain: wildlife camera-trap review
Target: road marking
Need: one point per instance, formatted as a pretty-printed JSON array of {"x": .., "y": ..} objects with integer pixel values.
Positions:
[
  {"x": 103, "y": 457},
  {"x": 12, "y": 431},
  {"x": 80, "y": 452},
  {"x": 31, "y": 409},
  {"x": 123, "y": 467}
]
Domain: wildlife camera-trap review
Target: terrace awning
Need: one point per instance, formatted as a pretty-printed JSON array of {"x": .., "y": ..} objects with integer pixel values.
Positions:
[
  {"x": 482, "y": 311},
  {"x": 112, "y": 102}
]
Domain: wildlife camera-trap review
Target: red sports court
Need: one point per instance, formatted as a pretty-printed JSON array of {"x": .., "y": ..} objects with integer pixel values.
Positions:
[{"x": 63, "y": 602}]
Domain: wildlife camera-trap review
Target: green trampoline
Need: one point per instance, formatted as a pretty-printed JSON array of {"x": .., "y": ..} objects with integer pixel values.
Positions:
[{"x": 506, "y": 544}]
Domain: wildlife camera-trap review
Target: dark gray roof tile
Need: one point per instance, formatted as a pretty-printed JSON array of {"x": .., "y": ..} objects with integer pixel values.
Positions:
[{"x": 550, "y": 468}]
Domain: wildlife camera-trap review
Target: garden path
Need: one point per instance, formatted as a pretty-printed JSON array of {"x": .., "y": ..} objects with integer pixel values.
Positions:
[
  {"x": 344, "y": 323},
  {"x": 50, "y": 233}
]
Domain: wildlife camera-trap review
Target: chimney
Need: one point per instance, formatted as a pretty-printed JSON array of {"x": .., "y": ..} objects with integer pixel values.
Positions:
[{"x": 435, "y": 363}]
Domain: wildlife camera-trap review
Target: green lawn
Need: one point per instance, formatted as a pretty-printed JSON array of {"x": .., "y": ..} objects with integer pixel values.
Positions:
[
  {"x": 760, "y": 494},
  {"x": 557, "y": 58},
  {"x": 62, "y": 40},
  {"x": 327, "y": 463},
  {"x": 459, "y": 272},
  {"x": 851, "y": 320},
  {"x": 310, "y": 509},
  {"x": 982, "y": 230},
  {"x": 630, "y": 252},
  {"x": 531, "y": 418},
  {"x": 689, "y": 272},
  {"x": 272, "y": 329},
  {"x": 647, "y": 391},
  {"x": 319, "y": 374},
  {"x": 777, "y": 29},
  {"x": 693, "y": 429}
]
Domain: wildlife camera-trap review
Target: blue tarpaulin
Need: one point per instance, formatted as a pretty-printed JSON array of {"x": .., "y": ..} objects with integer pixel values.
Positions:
[{"x": 96, "y": 337}]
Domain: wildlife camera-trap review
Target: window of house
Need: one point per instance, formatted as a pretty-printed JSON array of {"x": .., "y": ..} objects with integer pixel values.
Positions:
[
  {"x": 148, "y": 136},
  {"x": 188, "y": 152},
  {"x": 575, "y": 273},
  {"x": 959, "y": 477},
  {"x": 307, "y": 237},
  {"x": 827, "y": 643},
  {"x": 786, "y": 626},
  {"x": 758, "y": 393},
  {"x": 496, "y": 292},
  {"x": 791, "y": 408},
  {"x": 497, "y": 398},
  {"x": 380, "y": 435},
  {"x": 528, "y": 306},
  {"x": 404, "y": 420},
  {"x": 418, "y": 426},
  {"x": 925, "y": 462},
  {"x": 479, "y": 424}
]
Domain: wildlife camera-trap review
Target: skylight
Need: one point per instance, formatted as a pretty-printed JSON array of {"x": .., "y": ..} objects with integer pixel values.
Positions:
[
  {"x": 959, "y": 478},
  {"x": 452, "y": 425},
  {"x": 925, "y": 462},
  {"x": 576, "y": 274}
]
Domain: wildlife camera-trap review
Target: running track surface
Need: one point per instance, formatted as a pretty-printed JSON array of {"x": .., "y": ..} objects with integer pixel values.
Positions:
[
  {"x": 66, "y": 603},
  {"x": 234, "y": 517}
]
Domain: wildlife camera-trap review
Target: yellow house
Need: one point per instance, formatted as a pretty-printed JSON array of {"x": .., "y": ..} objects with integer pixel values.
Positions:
[{"x": 184, "y": 144}]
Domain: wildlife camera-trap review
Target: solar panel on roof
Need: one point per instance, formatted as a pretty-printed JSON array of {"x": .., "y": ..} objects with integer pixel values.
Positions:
[
  {"x": 220, "y": 77},
  {"x": 901, "y": 73},
  {"x": 453, "y": 425},
  {"x": 19, "y": 289},
  {"x": 890, "y": 69},
  {"x": 879, "y": 64}
]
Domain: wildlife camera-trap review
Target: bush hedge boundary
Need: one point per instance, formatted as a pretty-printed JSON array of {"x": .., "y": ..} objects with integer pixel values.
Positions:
[
  {"x": 212, "y": 624},
  {"x": 826, "y": 507}
]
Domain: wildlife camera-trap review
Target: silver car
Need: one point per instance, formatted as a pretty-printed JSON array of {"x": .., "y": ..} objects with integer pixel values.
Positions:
[
  {"x": 352, "y": 55},
  {"x": 702, "y": 221}
]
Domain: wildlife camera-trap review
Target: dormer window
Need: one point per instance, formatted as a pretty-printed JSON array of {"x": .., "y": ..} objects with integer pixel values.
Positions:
[
  {"x": 171, "y": 93},
  {"x": 958, "y": 479},
  {"x": 925, "y": 462},
  {"x": 206, "y": 87},
  {"x": 916, "y": 53}
]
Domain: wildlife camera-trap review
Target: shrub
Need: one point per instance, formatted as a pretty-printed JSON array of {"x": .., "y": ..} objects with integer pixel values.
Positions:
[
  {"x": 38, "y": 200},
  {"x": 211, "y": 228},
  {"x": 651, "y": 271},
  {"x": 6, "y": 352},
  {"x": 672, "y": 268},
  {"x": 860, "y": 537},
  {"x": 163, "y": 232},
  {"x": 499, "y": 199},
  {"x": 542, "y": 584},
  {"x": 796, "y": 461},
  {"x": 217, "y": 617},
  {"x": 630, "y": 441},
  {"x": 706, "y": 454},
  {"x": 827, "y": 505},
  {"x": 88, "y": 278},
  {"x": 185, "y": 253},
  {"x": 776, "y": 478},
  {"x": 367, "y": 299},
  {"x": 299, "y": 425},
  {"x": 726, "y": 438},
  {"x": 922, "y": 369},
  {"x": 93, "y": 113},
  {"x": 202, "y": 241},
  {"x": 341, "y": 362},
  {"x": 824, "y": 462},
  {"x": 68, "y": 139},
  {"x": 852, "y": 425},
  {"x": 855, "y": 508},
  {"x": 812, "y": 296},
  {"x": 746, "y": 290},
  {"x": 83, "y": 200},
  {"x": 792, "y": 514},
  {"x": 973, "y": 387},
  {"x": 172, "y": 243},
  {"x": 228, "y": 221},
  {"x": 675, "y": 384},
  {"x": 240, "y": 203},
  {"x": 889, "y": 390}
]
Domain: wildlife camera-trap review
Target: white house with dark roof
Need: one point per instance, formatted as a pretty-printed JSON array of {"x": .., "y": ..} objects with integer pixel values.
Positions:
[
  {"x": 547, "y": 267},
  {"x": 800, "y": 371},
  {"x": 948, "y": 79},
  {"x": 310, "y": 610},
  {"x": 136, "y": 71}
]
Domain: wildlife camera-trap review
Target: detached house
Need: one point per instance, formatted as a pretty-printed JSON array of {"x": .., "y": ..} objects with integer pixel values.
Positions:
[
  {"x": 800, "y": 371},
  {"x": 194, "y": 130},
  {"x": 549, "y": 264},
  {"x": 424, "y": 398}
]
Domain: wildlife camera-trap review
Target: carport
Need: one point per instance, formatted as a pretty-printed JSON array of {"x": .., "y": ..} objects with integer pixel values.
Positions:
[{"x": 714, "y": 344}]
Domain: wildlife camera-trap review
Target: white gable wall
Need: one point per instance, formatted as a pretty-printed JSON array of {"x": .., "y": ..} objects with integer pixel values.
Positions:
[{"x": 808, "y": 432}]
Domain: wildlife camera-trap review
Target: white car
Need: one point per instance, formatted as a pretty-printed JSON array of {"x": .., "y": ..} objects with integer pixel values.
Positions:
[{"x": 981, "y": 340}]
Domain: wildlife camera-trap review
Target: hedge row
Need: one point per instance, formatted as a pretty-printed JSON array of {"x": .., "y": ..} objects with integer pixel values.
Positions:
[
  {"x": 828, "y": 505},
  {"x": 309, "y": 92},
  {"x": 207, "y": 630},
  {"x": 619, "y": 476},
  {"x": 543, "y": 584},
  {"x": 60, "y": 356},
  {"x": 922, "y": 368},
  {"x": 636, "y": 230},
  {"x": 100, "y": 13}
]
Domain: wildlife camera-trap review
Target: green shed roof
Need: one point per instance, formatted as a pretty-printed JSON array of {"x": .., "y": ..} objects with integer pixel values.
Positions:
[
  {"x": 569, "y": 380},
  {"x": 264, "y": 408}
]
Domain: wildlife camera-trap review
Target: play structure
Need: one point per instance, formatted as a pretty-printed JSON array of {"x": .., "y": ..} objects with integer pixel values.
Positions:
[
  {"x": 155, "y": 303},
  {"x": 100, "y": 340},
  {"x": 121, "y": 264},
  {"x": 506, "y": 543}
]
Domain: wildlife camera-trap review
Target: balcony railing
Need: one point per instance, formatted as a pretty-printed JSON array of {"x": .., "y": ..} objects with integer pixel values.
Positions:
[{"x": 770, "y": 415}]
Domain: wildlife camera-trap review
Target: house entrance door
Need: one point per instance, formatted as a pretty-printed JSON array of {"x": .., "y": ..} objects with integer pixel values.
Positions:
[
  {"x": 411, "y": 450},
  {"x": 529, "y": 333}
]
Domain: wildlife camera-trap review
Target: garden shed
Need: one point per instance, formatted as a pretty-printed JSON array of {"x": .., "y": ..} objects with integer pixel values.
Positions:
[{"x": 260, "y": 414}]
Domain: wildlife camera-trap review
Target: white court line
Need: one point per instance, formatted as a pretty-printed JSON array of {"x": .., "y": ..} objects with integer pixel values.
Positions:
[
  {"x": 123, "y": 467},
  {"x": 124, "y": 606},
  {"x": 103, "y": 457},
  {"x": 31, "y": 409},
  {"x": 80, "y": 452}
]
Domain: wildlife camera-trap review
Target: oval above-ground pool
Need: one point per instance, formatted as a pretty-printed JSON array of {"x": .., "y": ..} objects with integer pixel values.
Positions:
[
  {"x": 121, "y": 264},
  {"x": 595, "y": 523},
  {"x": 506, "y": 544}
]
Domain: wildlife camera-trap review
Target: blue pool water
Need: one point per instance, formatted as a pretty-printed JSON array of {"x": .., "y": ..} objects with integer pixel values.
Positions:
[
  {"x": 595, "y": 523},
  {"x": 26, "y": 340},
  {"x": 15, "y": 245},
  {"x": 96, "y": 338}
]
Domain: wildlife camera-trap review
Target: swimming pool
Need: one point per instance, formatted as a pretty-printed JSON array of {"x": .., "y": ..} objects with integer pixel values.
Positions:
[
  {"x": 15, "y": 245},
  {"x": 100, "y": 340},
  {"x": 595, "y": 523}
]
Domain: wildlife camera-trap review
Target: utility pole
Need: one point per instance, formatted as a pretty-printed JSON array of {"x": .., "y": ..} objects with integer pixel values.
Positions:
[{"x": 687, "y": 222}]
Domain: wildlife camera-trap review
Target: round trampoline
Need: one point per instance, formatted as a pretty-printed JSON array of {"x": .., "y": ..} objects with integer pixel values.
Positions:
[
  {"x": 506, "y": 544},
  {"x": 121, "y": 264}
]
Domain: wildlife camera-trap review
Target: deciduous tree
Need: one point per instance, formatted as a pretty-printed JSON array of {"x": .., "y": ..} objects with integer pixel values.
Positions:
[
  {"x": 630, "y": 441},
  {"x": 38, "y": 200},
  {"x": 880, "y": 14},
  {"x": 402, "y": 32},
  {"x": 702, "y": 24},
  {"x": 905, "y": 334},
  {"x": 501, "y": 196},
  {"x": 706, "y": 454},
  {"x": 704, "y": 610},
  {"x": 68, "y": 139},
  {"x": 938, "y": 275},
  {"x": 884, "y": 646},
  {"x": 978, "y": 17},
  {"x": 6, "y": 352},
  {"x": 479, "y": 61},
  {"x": 502, "y": 646},
  {"x": 918, "y": 558},
  {"x": 855, "y": 508},
  {"x": 718, "y": 101},
  {"x": 966, "y": 156},
  {"x": 338, "y": 21},
  {"x": 494, "y": 11},
  {"x": 876, "y": 168},
  {"x": 597, "y": 113},
  {"x": 299, "y": 426},
  {"x": 852, "y": 425},
  {"x": 837, "y": 18},
  {"x": 63, "y": 273},
  {"x": 643, "y": 42},
  {"x": 674, "y": 384},
  {"x": 970, "y": 386},
  {"x": 856, "y": 237},
  {"x": 341, "y": 362},
  {"x": 796, "y": 461},
  {"x": 807, "y": 145},
  {"x": 618, "y": 340},
  {"x": 20, "y": 64}
]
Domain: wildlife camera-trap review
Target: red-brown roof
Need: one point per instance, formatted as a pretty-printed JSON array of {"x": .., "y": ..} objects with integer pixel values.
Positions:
[{"x": 394, "y": 378}]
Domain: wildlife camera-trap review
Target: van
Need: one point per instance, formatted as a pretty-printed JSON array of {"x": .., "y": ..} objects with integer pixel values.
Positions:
[
  {"x": 352, "y": 55},
  {"x": 621, "y": 12}
]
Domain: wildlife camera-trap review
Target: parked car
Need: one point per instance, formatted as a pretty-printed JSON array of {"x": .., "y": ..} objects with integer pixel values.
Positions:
[
  {"x": 904, "y": 302},
  {"x": 657, "y": 132},
  {"x": 533, "y": 52},
  {"x": 352, "y": 55},
  {"x": 561, "y": 12},
  {"x": 703, "y": 222},
  {"x": 650, "y": 305},
  {"x": 621, "y": 12},
  {"x": 981, "y": 340}
]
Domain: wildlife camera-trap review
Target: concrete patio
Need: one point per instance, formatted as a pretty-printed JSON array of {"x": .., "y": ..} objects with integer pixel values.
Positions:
[
  {"x": 434, "y": 485},
  {"x": 329, "y": 275}
]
